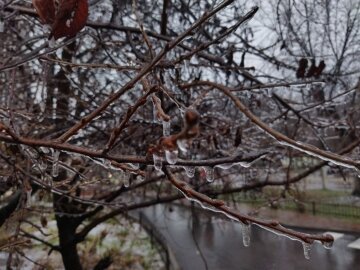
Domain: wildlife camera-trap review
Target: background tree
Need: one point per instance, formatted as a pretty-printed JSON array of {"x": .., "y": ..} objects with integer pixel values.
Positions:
[{"x": 149, "y": 99}]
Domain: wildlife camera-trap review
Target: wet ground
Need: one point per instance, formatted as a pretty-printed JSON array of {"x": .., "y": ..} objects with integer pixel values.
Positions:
[{"x": 202, "y": 241}]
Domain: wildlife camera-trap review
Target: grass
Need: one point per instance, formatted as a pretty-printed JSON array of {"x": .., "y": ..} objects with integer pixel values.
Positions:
[{"x": 309, "y": 201}]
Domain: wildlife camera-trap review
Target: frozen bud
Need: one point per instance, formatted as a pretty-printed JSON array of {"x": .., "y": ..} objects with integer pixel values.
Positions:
[
  {"x": 169, "y": 143},
  {"x": 192, "y": 117}
]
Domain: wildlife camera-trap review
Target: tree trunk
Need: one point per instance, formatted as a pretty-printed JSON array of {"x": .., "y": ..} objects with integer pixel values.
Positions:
[
  {"x": 66, "y": 230},
  {"x": 356, "y": 190}
]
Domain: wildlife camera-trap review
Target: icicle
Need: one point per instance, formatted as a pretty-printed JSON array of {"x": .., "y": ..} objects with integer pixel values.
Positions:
[
  {"x": 2, "y": 26},
  {"x": 47, "y": 179},
  {"x": 52, "y": 42},
  {"x": 155, "y": 118},
  {"x": 157, "y": 162},
  {"x": 126, "y": 179},
  {"x": 189, "y": 170},
  {"x": 55, "y": 160},
  {"x": 307, "y": 248},
  {"x": 209, "y": 174},
  {"x": 166, "y": 128},
  {"x": 186, "y": 67},
  {"x": 171, "y": 156},
  {"x": 183, "y": 145},
  {"x": 42, "y": 164},
  {"x": 28, "y": 198},
  {"x": 246, "y": 232}
]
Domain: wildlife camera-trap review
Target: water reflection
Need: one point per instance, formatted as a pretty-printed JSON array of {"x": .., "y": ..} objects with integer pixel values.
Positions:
[{"x": 193, "y": 234}]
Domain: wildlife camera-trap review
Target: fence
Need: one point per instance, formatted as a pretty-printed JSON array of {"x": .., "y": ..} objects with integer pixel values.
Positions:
[
  {"x": 324, "y": 208},
  {"x": 313, "y": 207}
]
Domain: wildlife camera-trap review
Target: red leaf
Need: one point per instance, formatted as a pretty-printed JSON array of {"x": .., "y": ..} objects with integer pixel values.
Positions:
[
  {"x": 66, "y": 17},
  {"x": 70, "y": 18},
  {"x": 46, "y": 10}
]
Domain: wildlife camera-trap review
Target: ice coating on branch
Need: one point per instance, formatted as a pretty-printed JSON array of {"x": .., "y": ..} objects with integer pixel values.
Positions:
[
  {"x": 245, "y": 164},
  {"x": 190, "y": 171},
  {"x": 306, "y": 247},
  {"x": 171, "y": 156},
  {"x": 246, "y": 233},
  {"x": 1, "y": 26},
  {"x": 157, "y": 162},
  {"x": 209, "y": 173},
  {"x": 166, "y": 128},
  {"x": 225, "y": 166},
  {"x": 298, "y": 145},
  {"x": 134, "y": 166},
  {"x": 107, "y": 163},
  {"x": 55, "y": 160}
]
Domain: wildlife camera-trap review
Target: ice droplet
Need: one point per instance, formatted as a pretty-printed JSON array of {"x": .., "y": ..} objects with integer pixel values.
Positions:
[
  {"x": 55, "y": 160},
  {"x": 157, "y": 162},
  {"x": 189, "y": 170},
  {"x": 246, "y": 232},
  {"x": 209, "y": 174},
  {"x": 186, "y": 67},
  {"x": 328, "y": 244},
  {"x": 1, "y": 26},
  {"x": 307, "y": 248},
  {"x": 171, "y": 156},
  {"x": 166, "y": 128}
]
